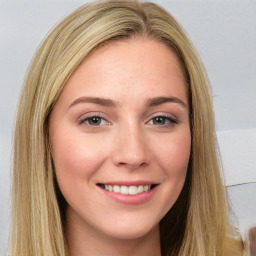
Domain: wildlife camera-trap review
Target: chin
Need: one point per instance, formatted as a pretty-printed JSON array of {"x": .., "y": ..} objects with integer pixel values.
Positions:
[{"x": 130, "y": 232}]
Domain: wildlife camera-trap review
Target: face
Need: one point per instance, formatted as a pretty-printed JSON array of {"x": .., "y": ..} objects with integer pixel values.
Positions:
[{"x": 120, "y": 138}]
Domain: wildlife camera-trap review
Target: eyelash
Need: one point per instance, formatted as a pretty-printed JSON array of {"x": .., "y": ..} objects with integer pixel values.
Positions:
[
  {"x": 171, "y": 121},
  {"x": 87, "y": 119}
]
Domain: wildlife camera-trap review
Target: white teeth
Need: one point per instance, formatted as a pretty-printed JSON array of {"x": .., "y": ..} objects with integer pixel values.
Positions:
[
  {"x": 140, "y": 188},
  {"x": 124, "y": 190},
  {"x": 146, "y": 188},
  {"x": 131, "y": 190},
  {"x": 116, "y": 189}
]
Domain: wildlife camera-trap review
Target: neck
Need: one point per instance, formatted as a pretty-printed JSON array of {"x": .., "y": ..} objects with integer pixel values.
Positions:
[{"x": 85, "y": 240}]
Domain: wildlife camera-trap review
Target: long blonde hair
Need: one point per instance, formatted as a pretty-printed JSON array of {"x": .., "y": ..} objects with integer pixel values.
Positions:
[{"x": 197, "y": 225}]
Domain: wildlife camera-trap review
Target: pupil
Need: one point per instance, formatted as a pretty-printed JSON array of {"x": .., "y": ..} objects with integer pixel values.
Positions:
[
  {"x": 95, "y": 120},
  {"x": 159, "y": 120}
]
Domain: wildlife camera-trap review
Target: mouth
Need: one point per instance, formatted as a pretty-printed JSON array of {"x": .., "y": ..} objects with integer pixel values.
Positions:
[{"x": 127, "y": 190}]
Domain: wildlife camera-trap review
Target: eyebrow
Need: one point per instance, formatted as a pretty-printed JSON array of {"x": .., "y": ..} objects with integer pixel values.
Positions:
[
  {"x": 152, "y": 102},
  {"x": 100, "y": 101},
  {"x": 161, "y": 100}
]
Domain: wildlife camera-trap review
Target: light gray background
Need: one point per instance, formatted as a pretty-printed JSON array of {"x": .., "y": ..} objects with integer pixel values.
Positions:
[{"x": 224, "y": 33}]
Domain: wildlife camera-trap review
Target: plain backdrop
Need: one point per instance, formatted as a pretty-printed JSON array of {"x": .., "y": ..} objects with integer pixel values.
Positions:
[{"x": 224, "y": 33}]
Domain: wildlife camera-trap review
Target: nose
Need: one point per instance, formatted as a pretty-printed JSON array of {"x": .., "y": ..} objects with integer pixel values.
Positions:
[{"x": 130, "y": 148}]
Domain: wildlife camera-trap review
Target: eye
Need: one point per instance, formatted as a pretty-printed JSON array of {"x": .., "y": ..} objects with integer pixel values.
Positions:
[
  {"x": 162, "y": 120},
  {"x": 94, "y": 121}
]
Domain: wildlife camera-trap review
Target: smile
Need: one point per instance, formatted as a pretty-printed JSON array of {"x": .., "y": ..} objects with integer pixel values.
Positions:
[{"x": 127, "y": 190}]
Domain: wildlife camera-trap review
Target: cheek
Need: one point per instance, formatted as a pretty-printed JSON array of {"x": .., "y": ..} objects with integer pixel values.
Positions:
[
  {"x": 174, "y": 154},
  {"x": 170, "y": 158},
  {"x": 76, "y": 160},
  {"x": 75, "y": 155},
  {"x": 174, "y": 159}
]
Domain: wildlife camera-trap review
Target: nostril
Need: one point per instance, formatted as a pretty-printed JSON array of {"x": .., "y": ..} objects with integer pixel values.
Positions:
[{"x": 132, "y": 165}]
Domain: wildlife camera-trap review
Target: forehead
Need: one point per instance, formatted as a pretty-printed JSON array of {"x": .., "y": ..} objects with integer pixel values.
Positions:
[
  {"x": 132, "y": 50},
  {"x": 128, "y": 67}
]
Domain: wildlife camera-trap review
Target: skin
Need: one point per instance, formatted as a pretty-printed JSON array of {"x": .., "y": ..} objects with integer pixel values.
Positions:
[{"x": 128, "y": 143}]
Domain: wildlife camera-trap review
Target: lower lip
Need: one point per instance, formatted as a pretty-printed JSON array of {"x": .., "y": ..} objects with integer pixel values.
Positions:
[{"x": 137, "y": 199}]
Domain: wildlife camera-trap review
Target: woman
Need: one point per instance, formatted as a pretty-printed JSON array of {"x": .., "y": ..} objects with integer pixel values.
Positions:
[{"x": 115, "y": 150}]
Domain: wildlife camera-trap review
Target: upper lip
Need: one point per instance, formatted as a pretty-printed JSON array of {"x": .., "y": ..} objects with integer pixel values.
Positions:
[{"x": 128, "y": 183}]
